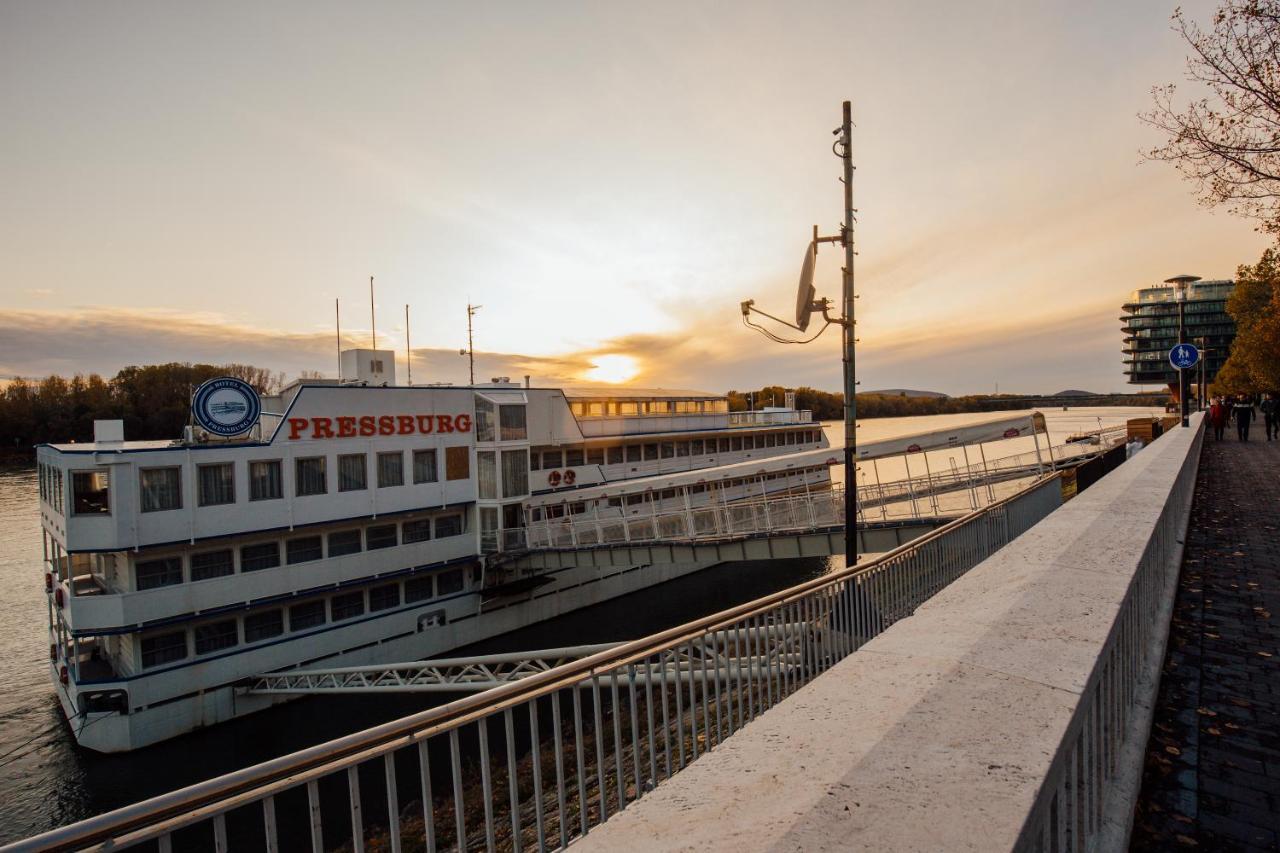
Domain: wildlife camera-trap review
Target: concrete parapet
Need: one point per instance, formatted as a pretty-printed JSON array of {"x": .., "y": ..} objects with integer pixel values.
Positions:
[{"x": 1002, "y": 715}]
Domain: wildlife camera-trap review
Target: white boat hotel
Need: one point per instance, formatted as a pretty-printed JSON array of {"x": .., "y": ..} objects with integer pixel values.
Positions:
[{"x": 342, "y": 524}]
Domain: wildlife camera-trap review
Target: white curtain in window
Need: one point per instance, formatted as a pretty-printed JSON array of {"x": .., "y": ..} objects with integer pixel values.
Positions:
[
  {"x": 424, "y": 466},
  {"x": 161, "y": 489},
  {"x": 351, "y": 472},
  {"x": 484, "y": 420},
  {"x": 512, "y": 421},
  {"x": 515, "y": 473},
  {"x": 486, "y": 466}
]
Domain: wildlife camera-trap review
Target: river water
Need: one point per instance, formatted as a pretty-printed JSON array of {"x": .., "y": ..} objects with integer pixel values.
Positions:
[{"x": 47, "y": 781}]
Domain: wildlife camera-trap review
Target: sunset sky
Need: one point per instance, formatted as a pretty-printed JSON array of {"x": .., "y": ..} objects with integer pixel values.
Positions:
[{"x": 198, "y": 182}]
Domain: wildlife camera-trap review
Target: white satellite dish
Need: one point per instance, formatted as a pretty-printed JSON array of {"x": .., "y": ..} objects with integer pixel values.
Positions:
[{"x": 806, "y": 293}]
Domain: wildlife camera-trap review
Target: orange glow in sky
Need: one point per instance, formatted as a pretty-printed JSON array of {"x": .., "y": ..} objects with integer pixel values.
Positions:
[{"x": 612, "y": 368}]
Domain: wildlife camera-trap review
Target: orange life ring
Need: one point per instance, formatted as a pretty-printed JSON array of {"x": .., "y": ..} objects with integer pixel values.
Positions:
[
  {"x": 553, "y": 479},
  {"x": 62, "y": 674},
  {"x": 569, "y": 477},
  {"x": 59, "y": 597}
]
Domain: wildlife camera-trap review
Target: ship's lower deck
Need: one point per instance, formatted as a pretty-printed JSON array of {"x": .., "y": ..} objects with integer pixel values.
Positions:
[{"x": 431, "y": 630}]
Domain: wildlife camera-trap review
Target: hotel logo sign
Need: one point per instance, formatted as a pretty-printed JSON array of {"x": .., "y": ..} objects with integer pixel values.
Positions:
[{"x": 226, "y": 406}]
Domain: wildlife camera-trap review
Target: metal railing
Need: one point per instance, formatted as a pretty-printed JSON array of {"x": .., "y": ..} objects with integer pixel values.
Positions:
[
  {"x": 1068, "y": 813},
  {"x": 540, "y": 761}
]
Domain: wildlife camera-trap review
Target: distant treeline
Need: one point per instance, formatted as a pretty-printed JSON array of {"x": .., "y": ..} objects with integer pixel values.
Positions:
[
  {"x": 153, "y": 402},
  {"x": 827, "y": 406}
]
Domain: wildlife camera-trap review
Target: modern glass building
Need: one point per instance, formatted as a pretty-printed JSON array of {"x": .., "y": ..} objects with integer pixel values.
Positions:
[{"x": 1150, "y": 325}]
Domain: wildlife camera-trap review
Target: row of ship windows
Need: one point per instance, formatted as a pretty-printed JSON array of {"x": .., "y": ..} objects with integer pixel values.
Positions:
[
  {"x": 210, "y": 637},
  {"x": 204, "y": 565},
  {"x": 649, "y": 451},
  {"x": 161, "y": 488},
  {"x": 648, "y": 407},
  {"x": 583, "y": 507}
]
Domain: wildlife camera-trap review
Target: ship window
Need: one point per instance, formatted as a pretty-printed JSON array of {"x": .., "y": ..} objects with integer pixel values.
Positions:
[
  {"x": 695, "y": 447},
  {"x": 90, "y": 494},
  {"x": 573, "y": 457},
  {"x": 344, "y": 542},
  {"x": 595, "y": 409},
  {"x": 265, "y": 480},
  {"x": 791, "y": 438},
  {"x": 512, "y": 421},
  {"x": 735, "y": 443},
  {"x": 418, "y": 589},
  {"x": 634, "y": 452},
  {"x": 578, "y": 409},
  {"x": 633, "y": 500},
  {"x": 484, "y": 420},
  {"x": 595, "y": 456},
  {"x": 487, "y": 474},
  {"x": 615, "y": 455},
  {"x": 628, "y": 407},
  {"x": 770, "y": 440},
  {"x": 161, "y": 489},
  {"x": 263, "y": 626},
  {"x": 448, "y": 525},
  {"x": 416, "y": 531},
  {"x": 382, "y": 536},
  {"x": 515, "y": 473},
  {"x": 384, "y": 597},
  {"x": 668, "y": 450},
  {"x": 724, "y": 445},
  {"x": 449, "y": 582},
  {"x": 424, "y": 466},
  {"x": 351, "y": 472},
  {"x": 217, "y": 484},
  {"x": 303, "y": 549},
  {"x": 163, "y": 648},
  {"x": 216, "y": 636},
  {"x": 163, "y": 572},
  {"x": 650, "y": 452},
  {"x": 346, "y": 606},
  {"x": 58, "y": 480},
  {"x": 615, "y": 502},
  {"x": 212, "y": 564},
  {"x": 310, "y": 479},
  {"x": 390, "y": 469},
  {"x": 457, "y": 463},
  {"x": 265, "y": 555},
  {"x": 306, "y": 615},
  {"x": 533, "y": 460},
  {"x": 682, "y": 448},
  {"x": 552, "y": 459}
]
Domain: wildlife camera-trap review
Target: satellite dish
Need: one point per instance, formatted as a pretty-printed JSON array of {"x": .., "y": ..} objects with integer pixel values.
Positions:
[{"x": 804, "y": 297}]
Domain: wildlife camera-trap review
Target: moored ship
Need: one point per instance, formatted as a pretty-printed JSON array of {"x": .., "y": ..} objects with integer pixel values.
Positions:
[{"x": 350, "y": 523}]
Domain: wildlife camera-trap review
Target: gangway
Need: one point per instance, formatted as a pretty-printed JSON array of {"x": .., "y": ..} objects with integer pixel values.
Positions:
[{"x": 720, "y": 654}]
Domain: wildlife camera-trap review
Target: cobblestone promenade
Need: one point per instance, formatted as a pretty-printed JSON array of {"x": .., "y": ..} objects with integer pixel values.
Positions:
[{"x": 1212, "y": 774}]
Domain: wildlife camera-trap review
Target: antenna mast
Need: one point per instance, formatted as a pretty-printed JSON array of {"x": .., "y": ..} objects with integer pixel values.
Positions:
[
  {"x": 373, "y": 326},
  {"x": 408, "y": 350},
  {"x": 337, "y": 331},
  {"x": 471, "y": 350},
  {"x": 850, "y": 382}
]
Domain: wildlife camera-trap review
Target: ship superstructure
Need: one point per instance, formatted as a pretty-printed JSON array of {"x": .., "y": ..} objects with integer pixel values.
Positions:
[{"x": 350, "y": 524}]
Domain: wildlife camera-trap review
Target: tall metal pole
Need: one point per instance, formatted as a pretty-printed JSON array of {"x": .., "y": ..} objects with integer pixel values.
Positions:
[
  {"x": 337, "y": 333},
  {"x": 847, "y": 315},
  {"x": 373, "y": 326},
  {"x": 1182, "y": 374},
  {"x": 471, "y": 350}
]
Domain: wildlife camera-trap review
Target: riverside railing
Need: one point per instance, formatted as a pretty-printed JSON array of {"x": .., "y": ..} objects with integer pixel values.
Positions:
[
  {"x": 1082, "y": 805},
  {"x": 540, "y": 761}
]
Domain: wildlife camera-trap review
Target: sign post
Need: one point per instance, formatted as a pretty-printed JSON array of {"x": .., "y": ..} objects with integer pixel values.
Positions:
[{"x": 1183, "y": 357}]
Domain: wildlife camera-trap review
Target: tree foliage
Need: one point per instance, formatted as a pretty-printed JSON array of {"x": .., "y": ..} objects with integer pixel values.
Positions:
[
  {"x": 1254, "y": 363},
  {"x": 1227, "y": 140},
  {"x": 153, "y": 401}
]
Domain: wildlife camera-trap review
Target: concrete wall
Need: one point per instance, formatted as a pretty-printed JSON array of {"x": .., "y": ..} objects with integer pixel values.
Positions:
[{"x": 1002, "y": 712}]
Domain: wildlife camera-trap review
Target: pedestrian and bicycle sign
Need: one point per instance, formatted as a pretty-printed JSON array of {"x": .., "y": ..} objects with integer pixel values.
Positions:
[{"x": 1184, "y": 356}]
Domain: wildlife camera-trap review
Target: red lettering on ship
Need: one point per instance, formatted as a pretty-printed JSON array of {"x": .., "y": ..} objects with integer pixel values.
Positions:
[{"x": 350, "y": 426}]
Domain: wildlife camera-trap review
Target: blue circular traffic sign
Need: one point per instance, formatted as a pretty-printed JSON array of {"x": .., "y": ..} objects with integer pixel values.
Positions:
[
  {"x": 1184, "y": 356},
  {"x": 226, "y": 406}
]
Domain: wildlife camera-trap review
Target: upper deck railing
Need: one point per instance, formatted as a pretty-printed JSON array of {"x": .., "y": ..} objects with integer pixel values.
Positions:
[
  {"x": 606, "y": 425},
  {"x": 553, "y": 755}
]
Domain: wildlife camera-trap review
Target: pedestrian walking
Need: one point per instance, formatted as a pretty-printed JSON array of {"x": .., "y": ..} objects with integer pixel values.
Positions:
[
  {"x": 1242, "y": 411},
  {"x": 1218, "y": 417},
  {"x": 1271, "y": 415}
]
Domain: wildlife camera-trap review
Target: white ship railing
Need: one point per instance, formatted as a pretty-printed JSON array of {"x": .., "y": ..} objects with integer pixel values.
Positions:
[{"x": 554, "y": 754}]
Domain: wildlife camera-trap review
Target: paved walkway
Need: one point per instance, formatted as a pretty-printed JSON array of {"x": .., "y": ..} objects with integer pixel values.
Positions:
[{"x": 1212, "y": 775}]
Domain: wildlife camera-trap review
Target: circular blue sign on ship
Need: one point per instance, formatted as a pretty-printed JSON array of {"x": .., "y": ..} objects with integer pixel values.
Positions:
[
  {"x": 1184, "y": 356},
  {"x": 226, "y": 406}
]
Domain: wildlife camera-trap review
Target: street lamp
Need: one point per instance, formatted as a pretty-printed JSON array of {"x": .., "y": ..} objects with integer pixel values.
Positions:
[{"x": 1181, "y": 286}]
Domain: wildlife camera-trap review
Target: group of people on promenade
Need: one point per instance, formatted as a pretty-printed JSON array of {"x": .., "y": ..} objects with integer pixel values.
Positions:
[{"x": 1241, "y": 410}]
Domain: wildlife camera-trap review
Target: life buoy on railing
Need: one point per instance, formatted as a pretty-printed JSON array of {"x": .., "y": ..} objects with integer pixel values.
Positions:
[
  {"x": 48, "y": 581},
  {"x": 59, "y": 597},
  {"x": 569, "y": 477},
  {"x": 53, "y": 652},
  {"x": 62, "y": 674},
  {"x": 553, "y": 479}
]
